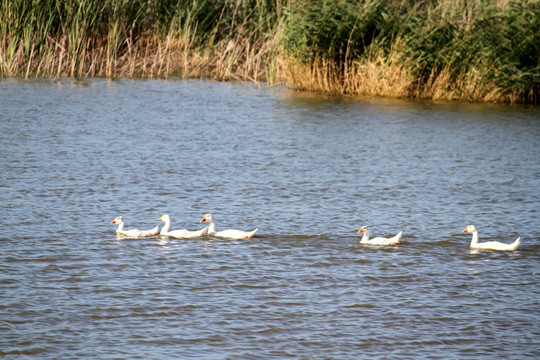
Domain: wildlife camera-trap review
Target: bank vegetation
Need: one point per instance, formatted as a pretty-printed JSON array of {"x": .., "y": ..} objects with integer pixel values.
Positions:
[{"x": 468, "y": 50}]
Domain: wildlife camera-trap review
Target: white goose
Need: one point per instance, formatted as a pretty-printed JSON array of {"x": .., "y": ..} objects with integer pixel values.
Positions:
[
  {"x": 378, "y": 240},
  {"x": 489, "y": 245},
  {"x": 229, "y": 234},
  {"x": 133, "y": 233},
  {"x": 181, "y": 234}
]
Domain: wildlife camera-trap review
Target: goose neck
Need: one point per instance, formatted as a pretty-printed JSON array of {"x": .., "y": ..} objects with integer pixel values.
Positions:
[
  {"x": 211, "y": 227},
  {"x": 474, "y": 239},
  {"x": 167, "y": 226},
  {"x": 365, "y": 237},
  {"x": 120, "y": 226}
]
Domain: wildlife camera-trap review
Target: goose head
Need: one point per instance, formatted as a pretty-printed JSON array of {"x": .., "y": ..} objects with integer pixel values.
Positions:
[
  {"x": 117, "y": 220},
  {"x": 470, "y": 229},
  {"x": 164, "y": 217},
  {"x": 364, "y": 230},
  {"x": 207, "y": 218}
]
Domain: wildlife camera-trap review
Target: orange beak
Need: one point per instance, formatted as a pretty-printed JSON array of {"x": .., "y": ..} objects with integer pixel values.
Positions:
[
  {"x": 465, "y": 230},
  {"x": 114, "y": 221},
  {"x": 203, "y": 219},
  {"x": 160, "y": 218},
  {"x": 361, "y": 230}
]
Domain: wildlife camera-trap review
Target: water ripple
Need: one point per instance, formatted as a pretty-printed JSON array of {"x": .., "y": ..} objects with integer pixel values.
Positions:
[{"x": 308, "y": 171}]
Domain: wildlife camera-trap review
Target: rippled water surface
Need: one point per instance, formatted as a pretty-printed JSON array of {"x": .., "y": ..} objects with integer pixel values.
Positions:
[{"x": 306, "y": 170}]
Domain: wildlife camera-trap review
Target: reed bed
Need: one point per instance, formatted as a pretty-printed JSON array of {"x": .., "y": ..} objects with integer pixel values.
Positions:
[{"x": 469, "y": 50}]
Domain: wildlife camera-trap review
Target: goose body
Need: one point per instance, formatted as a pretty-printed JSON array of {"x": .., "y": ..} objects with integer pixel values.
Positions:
[
  {"x": 229, "y": 234},
  {"x": 133, "y": 233},
  {"x": 490, "y": 245},
  {"x": 180, "y": 234},
  {"x": 378, "y": 240}
]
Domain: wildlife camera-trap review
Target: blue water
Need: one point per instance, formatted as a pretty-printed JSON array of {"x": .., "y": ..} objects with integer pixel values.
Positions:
[{"x": 308, "y": 171}]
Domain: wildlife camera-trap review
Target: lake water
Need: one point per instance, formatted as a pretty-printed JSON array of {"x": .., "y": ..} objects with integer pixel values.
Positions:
[{"x": 305, "y": 169}]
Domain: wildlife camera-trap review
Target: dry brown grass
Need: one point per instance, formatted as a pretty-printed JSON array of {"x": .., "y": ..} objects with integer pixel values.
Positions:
[
  {"x": 146, "y": 57},
  {"x": 388, "y": 77},
  {"x": 374, "y": 76}
]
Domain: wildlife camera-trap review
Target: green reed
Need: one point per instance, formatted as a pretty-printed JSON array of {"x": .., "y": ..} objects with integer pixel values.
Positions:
[
  {"x": 467, "y": 50},
  {"x": 473, "y": 50}
]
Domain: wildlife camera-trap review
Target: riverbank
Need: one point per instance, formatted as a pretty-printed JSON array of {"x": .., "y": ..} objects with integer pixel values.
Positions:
[{"x": 444, "y": 50}]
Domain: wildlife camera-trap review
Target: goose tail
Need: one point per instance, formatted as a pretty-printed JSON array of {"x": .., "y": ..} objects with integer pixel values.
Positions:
[
  {"x": 251, "y": 234},
  {"x": 516, "y": 243},
  {"x": 397, "y": 238},
  {"x": 154, "y": 231}
]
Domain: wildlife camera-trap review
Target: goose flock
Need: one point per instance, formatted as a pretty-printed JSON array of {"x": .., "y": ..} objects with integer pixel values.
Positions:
[
  {"x": 182, "y": 233},
  {"x": 233, "y": 234}
]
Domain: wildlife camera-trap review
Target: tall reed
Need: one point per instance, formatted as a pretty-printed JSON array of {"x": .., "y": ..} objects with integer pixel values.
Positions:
[{"x": 467, "y": 50}]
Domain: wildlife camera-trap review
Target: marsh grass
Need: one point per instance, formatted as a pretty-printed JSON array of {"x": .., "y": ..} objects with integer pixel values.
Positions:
[
  {"x": 465, "y": 50},
  {"x": 145, "y": 39},
  {"x": 445, "y": 50}
]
